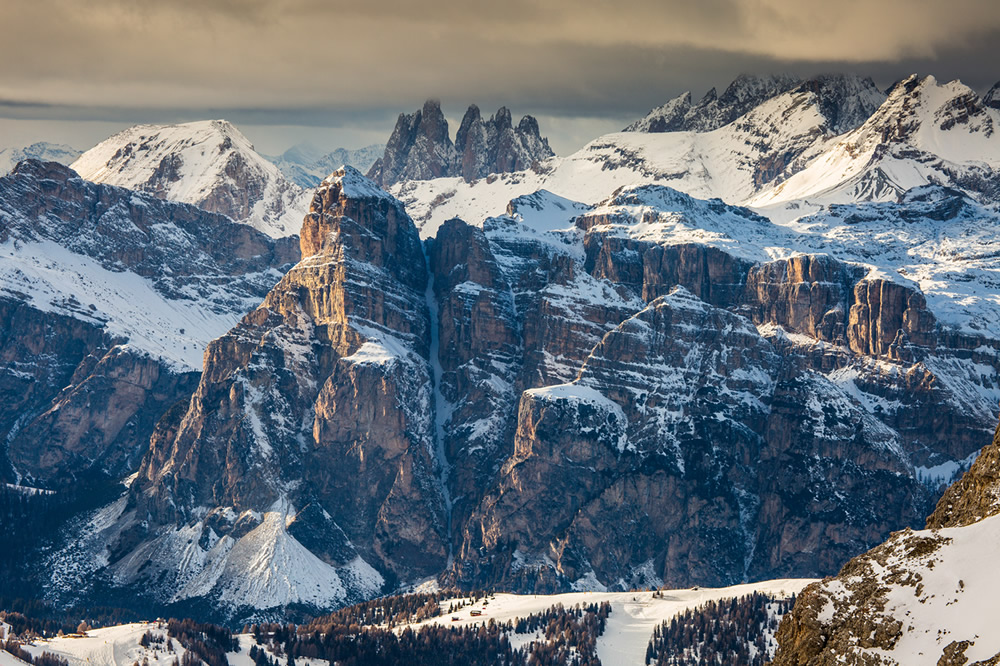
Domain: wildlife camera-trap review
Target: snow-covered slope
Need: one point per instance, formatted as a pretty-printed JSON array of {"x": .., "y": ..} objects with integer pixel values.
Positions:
[
  {"x": 95, "y": 252},
  {"x": 925, "y": 132},
  {"x": 209, "y": 164},
  {"x": 633, "y": 615},
  {"x": 732, "y": 163},
  {"x": 111, "y": 646},
  {"x": 46, "y": 152},
  {"x": 786, "y": 156},
  {"x": 924, "y": 597}
]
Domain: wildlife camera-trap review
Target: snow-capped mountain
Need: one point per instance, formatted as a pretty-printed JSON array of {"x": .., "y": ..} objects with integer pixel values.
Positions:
[
  {"x": 109, "y": 299},
  {"x": 734, "y": 162},
  {"x": 559, "y": 395},
  {"x": 925, "y": 132},
  {"x": 714, "y": 111},
  {"x": 210, "y": 164},
  {"x": 600, "y": 372},
  {"x": 307, "y": 166},
  {"x": 785, "y": 156},
  {"x": 43, "y": 151}
]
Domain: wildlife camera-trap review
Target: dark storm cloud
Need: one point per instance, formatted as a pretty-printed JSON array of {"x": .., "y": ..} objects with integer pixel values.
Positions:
[{"x": 319, "y": 62}]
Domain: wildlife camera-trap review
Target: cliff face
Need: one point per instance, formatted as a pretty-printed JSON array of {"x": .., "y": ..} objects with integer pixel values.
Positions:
[
  {"x": 88, "y": 369},
  {"x": 973, "y": 497},
  {"x": 420, "y": 147},
  {"x": 309, "y": 443}
]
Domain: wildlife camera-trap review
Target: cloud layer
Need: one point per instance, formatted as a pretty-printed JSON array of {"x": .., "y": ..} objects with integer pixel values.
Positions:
[{"x": 300, "y": 61}]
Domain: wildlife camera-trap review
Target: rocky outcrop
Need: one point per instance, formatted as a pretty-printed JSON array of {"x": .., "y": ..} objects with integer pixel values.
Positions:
[
  {"x": 313, "y": 423},
  {"x": 495, "y": 146},
  {"x": 807, "y": 294},
  {"x": 973, "y": 497},
  {"x": 992, "y": 97},
  {"x": 420, "y": 147},
  {"x": 916, "y": 598}
]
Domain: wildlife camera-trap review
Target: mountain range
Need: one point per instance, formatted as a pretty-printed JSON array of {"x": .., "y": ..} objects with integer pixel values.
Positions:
[{"x": 743, "y": 339}]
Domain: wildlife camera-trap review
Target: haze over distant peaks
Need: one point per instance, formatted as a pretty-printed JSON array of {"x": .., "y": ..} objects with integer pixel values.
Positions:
[
  {"x": 307, "y": 166},
  {"x": 42, "y": 150}
]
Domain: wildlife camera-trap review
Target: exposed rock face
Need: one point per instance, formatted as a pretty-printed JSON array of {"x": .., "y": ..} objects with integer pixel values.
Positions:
[
  {"x": 973, "y": 497},
  {"x": 481, "y": 354},
  {"x": 714, "y": 111},
  {"x": 845, "y": 100},
  {"x": 837, "y": 419},
  {"x": 919, "y": 597},
  {"x": 495, "y": 146},
  {"x": 420, "y": 147},
  {"x": 807, "y": 294},
  {"x": 992, "y": 97},
  {"x": 633, "y": 393},
  {"x": 313, "y": 424},
  {"x": 84, "y": 380},
  {"x": 613, "y": 474},
  {"x": 78, "y": 408}
]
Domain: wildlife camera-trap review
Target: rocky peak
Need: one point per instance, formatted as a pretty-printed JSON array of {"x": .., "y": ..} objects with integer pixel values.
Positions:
[
  {"x": 992, "y": 96},
  {"x": 667, "y": 118},
  {"x": 714, "y": 110},
  {"x": 210, "y": 164},
  {"x": 742, "y": 95},
  {"x": 420, "y": 148},
  {"x": 845, "y": 100},
  {"x": 37, "y": 169},
  {"x": 308, "y": 446},
  {"x": 350, "y": 213}
]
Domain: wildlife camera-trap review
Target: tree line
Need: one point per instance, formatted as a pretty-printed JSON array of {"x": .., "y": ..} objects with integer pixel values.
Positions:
[{"x": 729, "y": 631}]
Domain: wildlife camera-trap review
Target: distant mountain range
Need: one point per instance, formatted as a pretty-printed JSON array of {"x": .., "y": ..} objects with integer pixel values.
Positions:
[
  {"x": 46, "y": 152},
  {"x": 307, "y": 166}
]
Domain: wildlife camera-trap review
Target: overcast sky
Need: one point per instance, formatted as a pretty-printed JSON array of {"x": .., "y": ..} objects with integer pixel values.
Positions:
[{"x": 338, "y": 73}]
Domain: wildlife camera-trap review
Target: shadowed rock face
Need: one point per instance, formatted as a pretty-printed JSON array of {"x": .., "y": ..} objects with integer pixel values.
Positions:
[
  {"x": 685, "y": 451},
  {"x": 420, "y": 147},
  {"x": 80, "y": 403},
  {"x": 317, "y": 407},
  {"x": 879, "y": 599},
  {"x": 973, "y": 497}
]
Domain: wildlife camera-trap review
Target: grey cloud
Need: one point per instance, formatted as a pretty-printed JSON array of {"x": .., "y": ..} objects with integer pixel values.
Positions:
[{"x": 324, "y": 62}]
